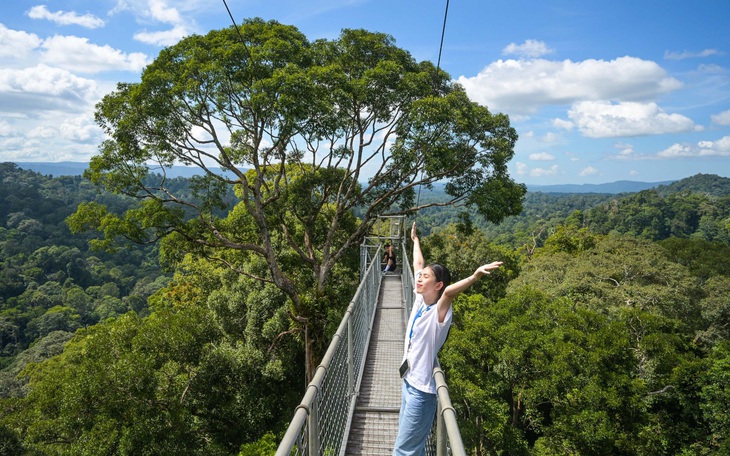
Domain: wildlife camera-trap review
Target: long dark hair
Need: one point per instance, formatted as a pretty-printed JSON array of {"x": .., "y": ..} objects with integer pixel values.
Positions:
[{"x": 442, "y": 274}]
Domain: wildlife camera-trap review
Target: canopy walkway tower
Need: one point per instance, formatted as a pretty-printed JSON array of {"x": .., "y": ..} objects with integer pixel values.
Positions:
[{"x": 351, "y": 405}]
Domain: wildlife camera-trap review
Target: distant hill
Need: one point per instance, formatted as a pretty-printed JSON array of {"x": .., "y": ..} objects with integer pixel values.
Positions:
[
  {"x": 622, "y": 186},
  {"x": 697, "y": 206},
  {"x": 77, "y": 169},
  {"x": 710, "y": 184},
  {"x": 55, "y": 169}
]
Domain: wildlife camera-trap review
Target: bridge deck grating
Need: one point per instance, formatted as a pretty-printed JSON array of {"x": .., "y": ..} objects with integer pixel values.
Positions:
[{"x": 375, "y": 423}]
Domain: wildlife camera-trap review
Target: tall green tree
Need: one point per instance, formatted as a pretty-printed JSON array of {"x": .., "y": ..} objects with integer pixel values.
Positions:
[{"x": 305, "y": 132}]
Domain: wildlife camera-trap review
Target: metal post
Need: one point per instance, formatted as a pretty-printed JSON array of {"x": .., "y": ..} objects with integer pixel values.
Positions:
[
  {"x": 350, "y": 360},
  {"x": 363, "y": 260},
  {"x": 447, "y": 414},
  {"x": 313, "y": 427},
  {"x": 441, "y": 439}
]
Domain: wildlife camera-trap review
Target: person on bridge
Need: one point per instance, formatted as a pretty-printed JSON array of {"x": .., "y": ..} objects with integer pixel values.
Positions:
[
  {"x": 428, "y": 326},
  {"x": 389, "y": 258}
]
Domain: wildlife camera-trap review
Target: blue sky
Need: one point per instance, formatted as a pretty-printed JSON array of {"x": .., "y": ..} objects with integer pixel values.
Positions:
[{"x": 598, "y": 91}]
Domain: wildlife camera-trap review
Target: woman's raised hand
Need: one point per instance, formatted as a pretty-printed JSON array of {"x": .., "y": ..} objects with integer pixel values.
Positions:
[
  {"x": 414, "y": 235},
  {"x": 486, "y": 268}
]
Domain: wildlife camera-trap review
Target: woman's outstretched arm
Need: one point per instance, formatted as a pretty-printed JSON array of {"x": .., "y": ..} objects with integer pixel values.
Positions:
[{"x": 453, "y": 290}]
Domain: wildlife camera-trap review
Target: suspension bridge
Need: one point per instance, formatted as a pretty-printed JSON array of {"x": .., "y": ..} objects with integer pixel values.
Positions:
[{"x": 351, "y": 405}]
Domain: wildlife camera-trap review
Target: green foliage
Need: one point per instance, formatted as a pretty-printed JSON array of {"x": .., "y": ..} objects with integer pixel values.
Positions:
[
  {"x": 658, "y": 214},
  {"x": 704, "y": 259},
  {"x": 694, "y": 207},
  {"x": 265, "y": 446},
  {"x": 544, "y": 375},
  {"x": 11, "y": 385},
  {"x": 602, "y": 345},
  {"x": 715, "y": 396},
  {"x": 9, "y": 442},
  {"x": 616, "y": 272},
  {"x": 586, "y": 344},
  {"x": 50, "y": 280},
  {"x": 715, "y": 311},
  {"x": 570, "y": 239},
  {"x": 197, "y": 376},
  {"x": 463, "y": 253},
  {"x": 144, "y": 364},
  {"x": 709, "y": 184}
]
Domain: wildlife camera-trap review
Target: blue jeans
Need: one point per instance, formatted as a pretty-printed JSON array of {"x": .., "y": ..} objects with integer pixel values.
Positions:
[{"x": 417, "y": 412}]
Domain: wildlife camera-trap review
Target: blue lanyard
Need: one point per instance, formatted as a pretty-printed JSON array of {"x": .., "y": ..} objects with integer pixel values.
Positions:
[{"x": 410, "y": 336}]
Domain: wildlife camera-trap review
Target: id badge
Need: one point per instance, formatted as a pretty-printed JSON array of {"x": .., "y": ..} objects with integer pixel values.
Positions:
[{"x": 404, "y": 368}]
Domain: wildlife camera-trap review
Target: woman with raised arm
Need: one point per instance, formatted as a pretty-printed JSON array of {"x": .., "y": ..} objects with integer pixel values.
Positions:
[{"x": 428, "y": 326}]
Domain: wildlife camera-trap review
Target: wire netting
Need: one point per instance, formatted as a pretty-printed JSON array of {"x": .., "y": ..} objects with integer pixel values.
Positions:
[{"x": 333, "y": 401}]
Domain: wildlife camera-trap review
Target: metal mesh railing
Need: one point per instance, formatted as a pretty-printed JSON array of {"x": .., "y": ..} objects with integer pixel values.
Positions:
[{"x": 320, "y": 420}]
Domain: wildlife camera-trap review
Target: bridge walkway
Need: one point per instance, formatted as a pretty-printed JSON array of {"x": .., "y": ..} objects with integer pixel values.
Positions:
[{"x": 375, "y": 421}]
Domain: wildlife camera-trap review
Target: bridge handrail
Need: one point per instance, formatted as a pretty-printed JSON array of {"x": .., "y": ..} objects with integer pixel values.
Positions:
[
  {"x": 355, "y": 329},
  {"x": 446, "y": 424}
]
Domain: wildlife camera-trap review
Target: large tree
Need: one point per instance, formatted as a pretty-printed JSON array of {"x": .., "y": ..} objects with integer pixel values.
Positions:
[{"x": 306, "y": 134}]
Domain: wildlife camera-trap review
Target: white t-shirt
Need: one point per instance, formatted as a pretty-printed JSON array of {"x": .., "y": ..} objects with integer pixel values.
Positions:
[{"x": 425, "y": 342}]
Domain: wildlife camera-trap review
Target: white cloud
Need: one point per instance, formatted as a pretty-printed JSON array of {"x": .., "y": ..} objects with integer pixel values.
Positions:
[
  {"x": 603, "y": 119},
  {"x": 16, "y": 44},
  {"x": 51, "y": 136},
  {"x": 572, "y": 156},
  {"x": 67, "y": 52},
  {"x": 524, "y": 86},
  {"x": 542, "y": 156},
  {"x": 77, "y": 54},
  {"x": 689, "y": 55},
  {"x": 550, "y": 137},
  {"x": 43, "y": 88},
  {"x": 164, "y": 37},
  {"x": 625, "y": 150},
  {"x": 530, "y": 49},
  {"x": 178, "y": 20},
  {"x": 719, "y": 148},
  {"x": 163, "y": 13},
  {"x": 677, "y": 150},
  {"x": 80, "y": 129},
  {"x": 120, "y": 7},
  {"x": 563, "y": 124},
  {"x": 589, "y": 171},
  {"x": 160, "y": 10},
  {"x": 522, "y": 168},
  {"x": 44, "y": 131},
  {"x": 721, "y": 119},
  {"x": 541, "y": 172},
  {"x": 65, "y": 18},
  {"x": 6, "y": 129}
]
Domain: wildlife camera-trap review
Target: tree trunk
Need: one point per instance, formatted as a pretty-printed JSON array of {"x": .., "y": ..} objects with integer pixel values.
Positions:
[{"x": 310, "y": 357}]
